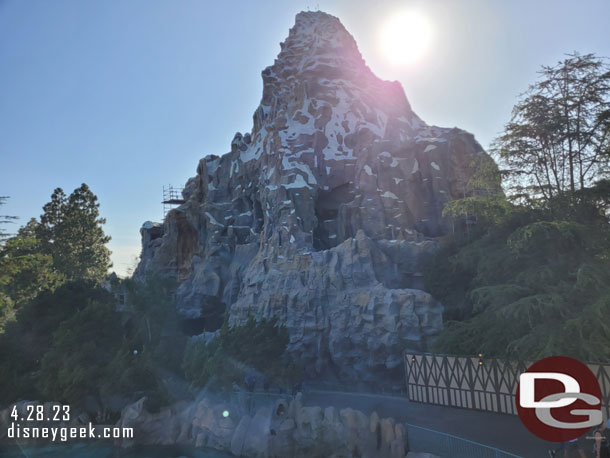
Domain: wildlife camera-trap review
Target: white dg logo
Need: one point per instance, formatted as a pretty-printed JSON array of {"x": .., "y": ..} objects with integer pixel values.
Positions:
[{"x": 527, "y": 383}]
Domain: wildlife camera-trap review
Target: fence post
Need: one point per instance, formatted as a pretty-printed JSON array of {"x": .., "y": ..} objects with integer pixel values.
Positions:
[{"x": 426, "y": 376}]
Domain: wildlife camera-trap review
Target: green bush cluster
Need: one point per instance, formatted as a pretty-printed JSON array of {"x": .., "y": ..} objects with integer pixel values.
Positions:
[
  {"x": 257, "y": 346},
  {"x": 73, "y": 345},
  {"x": 535, "y": 286}
]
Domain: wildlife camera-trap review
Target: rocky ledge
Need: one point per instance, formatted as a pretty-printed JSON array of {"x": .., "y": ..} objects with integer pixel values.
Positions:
[{"x": 283, "y": 429}]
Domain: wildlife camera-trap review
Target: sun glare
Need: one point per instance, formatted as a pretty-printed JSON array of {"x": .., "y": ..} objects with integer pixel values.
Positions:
[{"x": 405, "y": 37}]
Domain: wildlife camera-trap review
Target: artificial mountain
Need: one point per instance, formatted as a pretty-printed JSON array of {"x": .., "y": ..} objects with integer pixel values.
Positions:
[{"x": 320, "y": 216}]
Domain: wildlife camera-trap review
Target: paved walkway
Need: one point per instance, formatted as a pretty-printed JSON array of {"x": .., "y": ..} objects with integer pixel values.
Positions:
[{"x": 505, "y": 432}]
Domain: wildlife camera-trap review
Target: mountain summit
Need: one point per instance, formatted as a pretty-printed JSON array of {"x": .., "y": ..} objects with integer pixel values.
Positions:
[{"x": 321, "y": 214}]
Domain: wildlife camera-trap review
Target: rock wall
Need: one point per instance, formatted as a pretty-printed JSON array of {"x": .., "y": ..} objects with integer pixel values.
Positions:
[
  {"x": 282, "y": 429},
  {"x": 321, "y": 214}
]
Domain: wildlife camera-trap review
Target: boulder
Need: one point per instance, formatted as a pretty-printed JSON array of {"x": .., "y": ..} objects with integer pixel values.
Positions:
[{"x": 284, "y": 428}]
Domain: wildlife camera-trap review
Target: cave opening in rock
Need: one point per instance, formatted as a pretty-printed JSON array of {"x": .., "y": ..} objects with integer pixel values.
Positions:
[
  {"x": 258, "y": 216},
  {"x": 156, "y": 234},
  {"x": 192, "y": 326},
  {"x": 327, "y": 206},
  {"x": 211, "y": 317}
]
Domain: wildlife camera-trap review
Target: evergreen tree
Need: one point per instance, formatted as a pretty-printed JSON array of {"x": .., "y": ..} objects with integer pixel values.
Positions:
[
  {"x": 4, "y": 219},
  {"x": 71, "y": 232},
  {"x": 24, "y": 271},
  {"x": 558, "y": 140}
]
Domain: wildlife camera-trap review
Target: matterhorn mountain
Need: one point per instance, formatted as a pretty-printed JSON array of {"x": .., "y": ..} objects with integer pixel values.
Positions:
[{"x": 320, "y": 216}]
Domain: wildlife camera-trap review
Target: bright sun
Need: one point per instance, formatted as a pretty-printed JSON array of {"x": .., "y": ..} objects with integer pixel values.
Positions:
[{"x": 405, "y": 37}]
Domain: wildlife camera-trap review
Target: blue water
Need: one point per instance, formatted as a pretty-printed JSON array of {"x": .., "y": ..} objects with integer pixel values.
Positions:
[{"x": 106, "y": 450}]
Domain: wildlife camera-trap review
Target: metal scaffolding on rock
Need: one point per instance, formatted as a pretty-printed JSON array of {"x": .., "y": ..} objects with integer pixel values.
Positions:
[{"x": 172, "y": 197}]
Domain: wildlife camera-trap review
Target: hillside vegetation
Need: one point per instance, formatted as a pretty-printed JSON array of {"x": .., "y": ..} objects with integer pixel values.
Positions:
[
  {"x": 73, "y": 334},
  {"x": 532, "y": 277}
]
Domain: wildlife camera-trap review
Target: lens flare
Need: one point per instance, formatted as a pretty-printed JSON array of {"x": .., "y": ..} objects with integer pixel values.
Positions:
[{"x": 405, "y": 37}]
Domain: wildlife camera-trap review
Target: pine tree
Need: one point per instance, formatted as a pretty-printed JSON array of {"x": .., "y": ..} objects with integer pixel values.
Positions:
[
  {"x": 558, "y": 140},
  {"x": 71, "y": 232},
  {"x": 5, "y": 219}
]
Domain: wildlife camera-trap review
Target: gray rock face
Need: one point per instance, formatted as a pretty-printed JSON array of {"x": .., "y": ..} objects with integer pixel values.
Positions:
[
  {"x": 321, "y": 214},
  {"x": 283, "y": 429}
]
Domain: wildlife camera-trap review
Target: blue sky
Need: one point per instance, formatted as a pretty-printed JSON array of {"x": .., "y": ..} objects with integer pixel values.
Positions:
[{"x": 128, "y": 95}]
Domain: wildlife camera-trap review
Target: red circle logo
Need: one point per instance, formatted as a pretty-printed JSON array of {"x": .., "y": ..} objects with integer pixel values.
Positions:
[{"x": 559, "y": 399}]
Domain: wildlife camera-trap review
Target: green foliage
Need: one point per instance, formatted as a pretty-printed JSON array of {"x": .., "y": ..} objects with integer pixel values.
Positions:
[
  {"x": 64, "y": 337},
  {"x": 27, "y": 339},
  {"x": 132, "y": 374},
  {"x": 82, "y": 348},
  {"x": 210, "y": 366},
  {"x": 67, "y": 339},
  {"x": 70, "y": 231},
  {"x": 154, "y": 322},
  {"x": 448, "y": 278},
  {"x": 72, "y": 343},
  {"x": 92, "y": 355},
  {"x": 235, "y": 350},
  {"x": 483, "y": 199},
  {"x": 531, "y": 277},
  {"x": 4, "y": 219},
  {"x": 528, "y": 293},
  {"x": 557, "y": 141},
  {"x": 24, "y": 271},
  {"x": 67, "y": 245}
]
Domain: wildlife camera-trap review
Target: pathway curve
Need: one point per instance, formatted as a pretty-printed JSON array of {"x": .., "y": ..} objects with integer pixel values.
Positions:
[{"x": 505, "y": 432}]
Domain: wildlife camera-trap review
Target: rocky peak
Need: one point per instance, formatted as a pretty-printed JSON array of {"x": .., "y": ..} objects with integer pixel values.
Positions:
[
  {"x": 320, "y": 63},
  {"x": 318, "y": 39},
  {"x": 318, "y": 34},
  {"x": 320, "y": 215}
]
